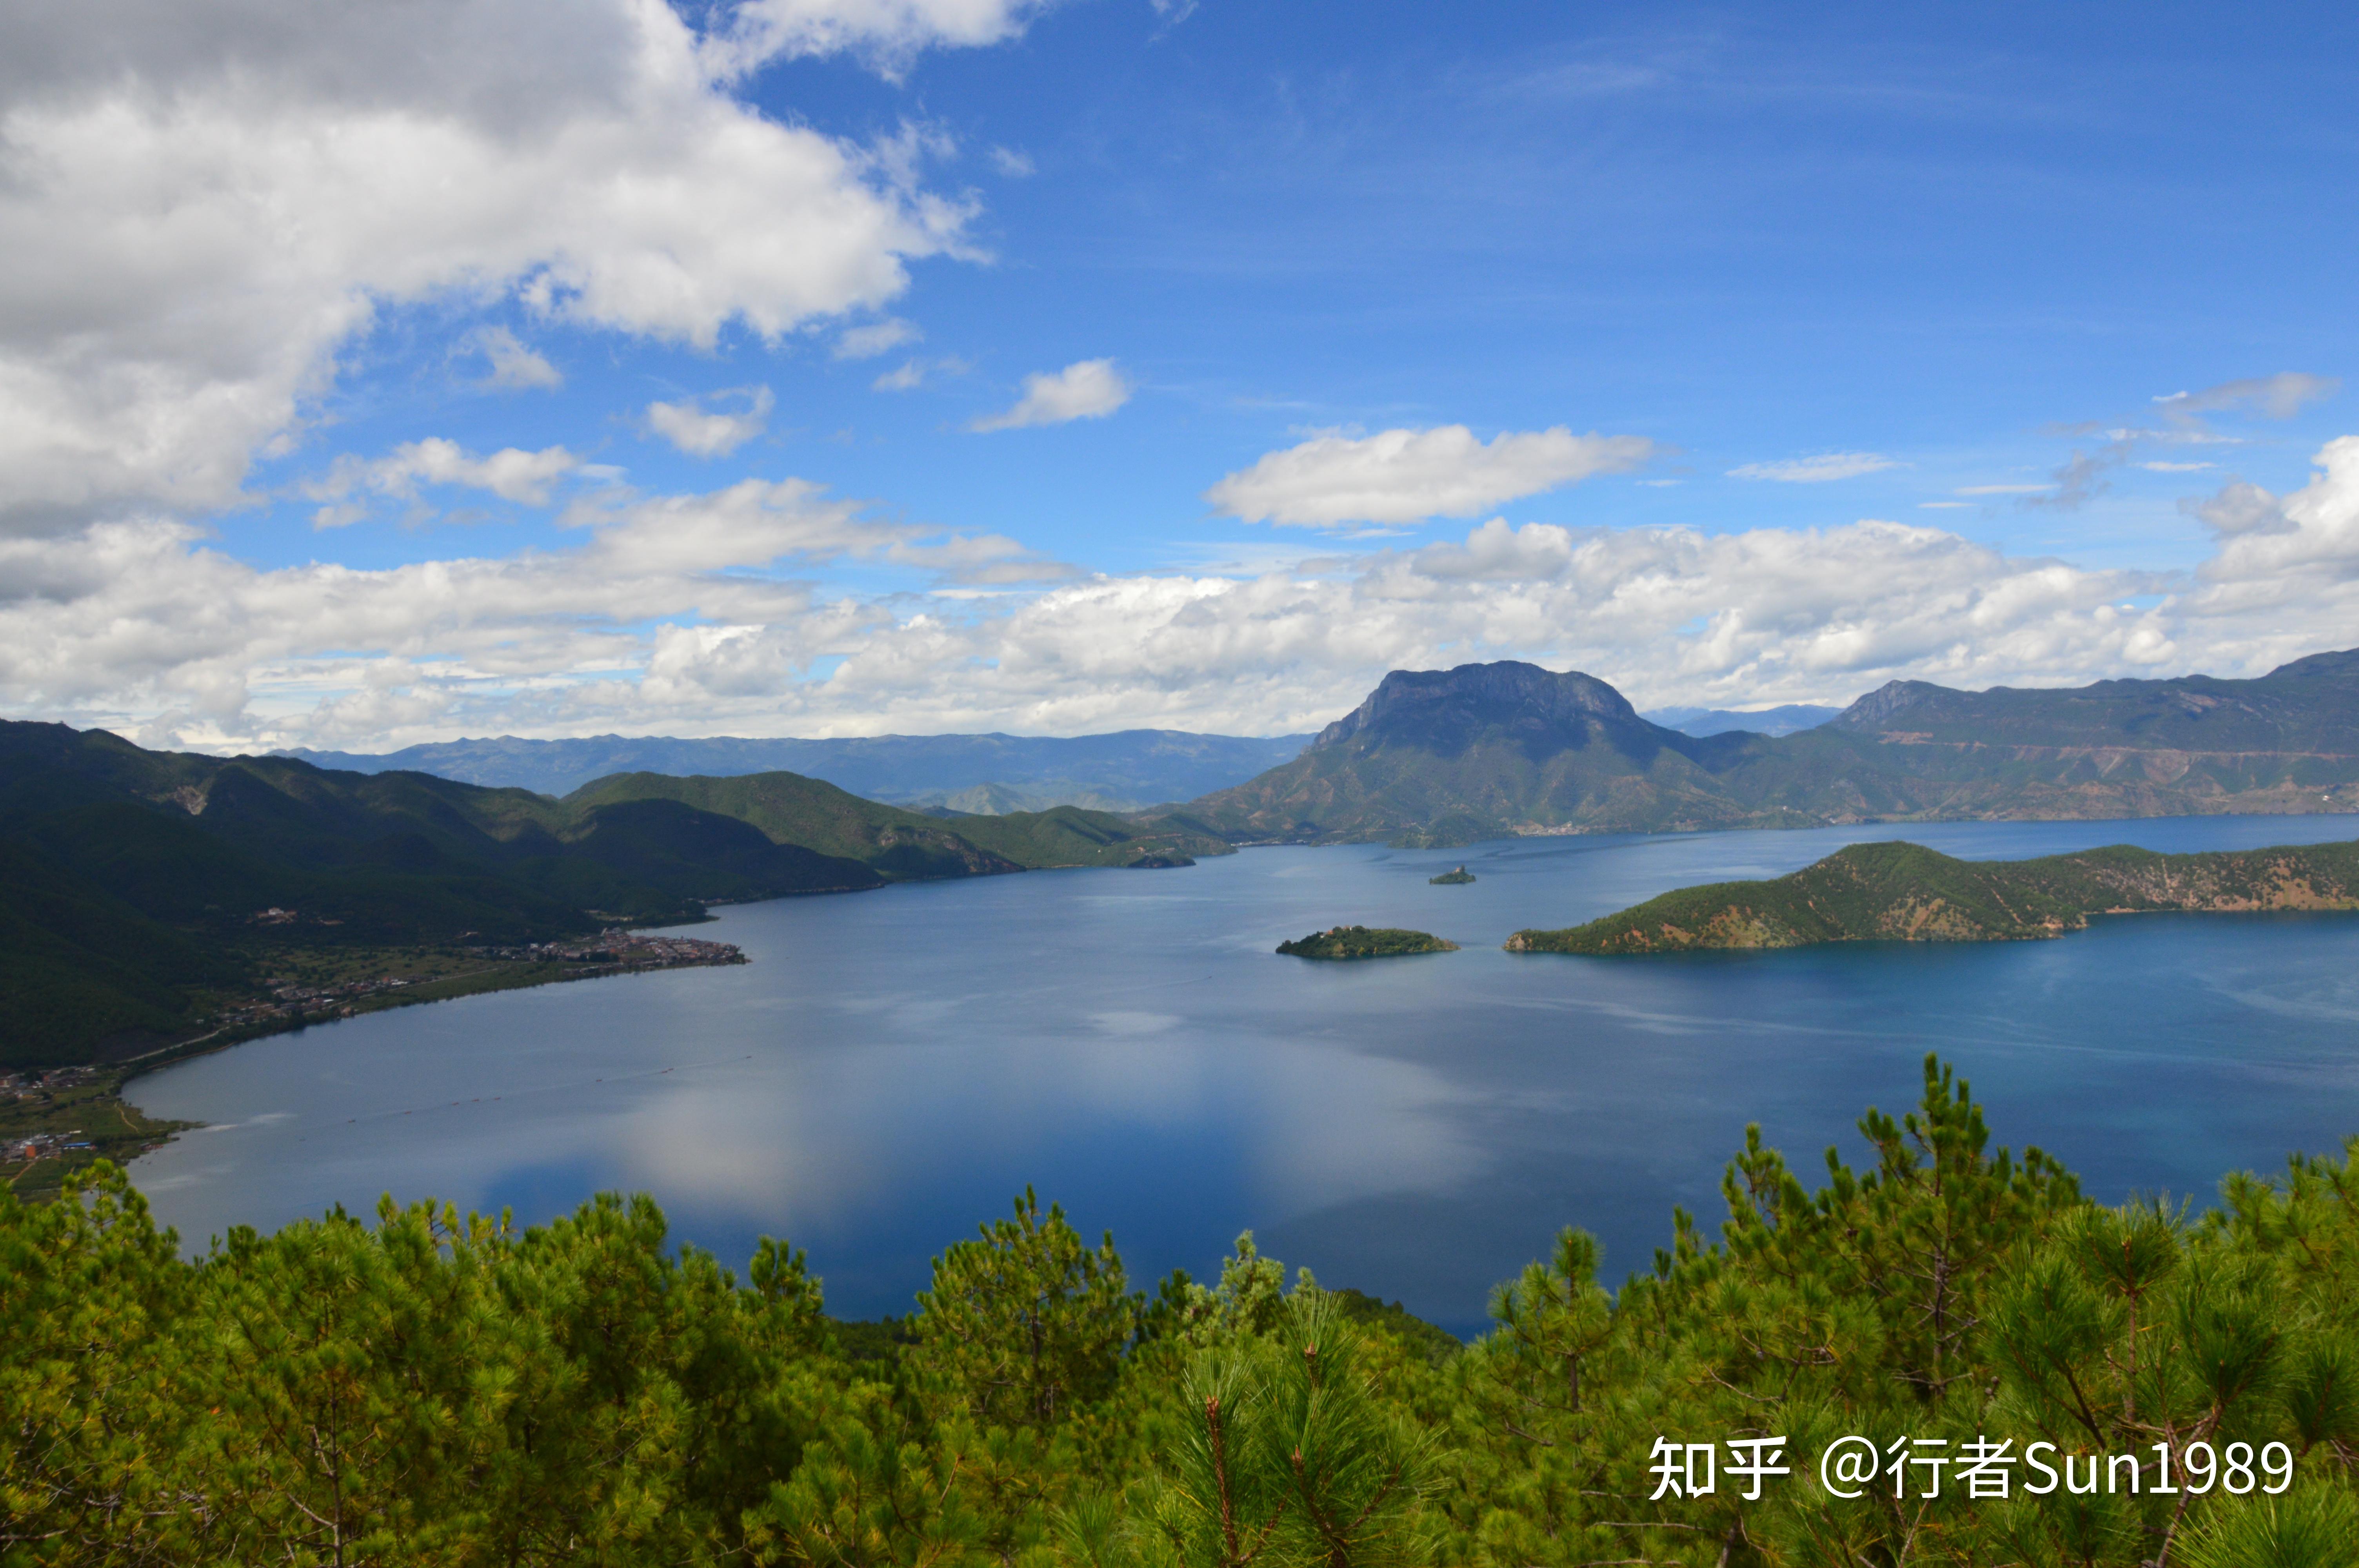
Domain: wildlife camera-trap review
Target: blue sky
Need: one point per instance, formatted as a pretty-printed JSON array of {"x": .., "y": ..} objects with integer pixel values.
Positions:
[{"x": 1875, "y": 313}]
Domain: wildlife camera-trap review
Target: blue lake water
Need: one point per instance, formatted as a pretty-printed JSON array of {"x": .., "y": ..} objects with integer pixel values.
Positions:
[{"x": 892, "y": 1067}]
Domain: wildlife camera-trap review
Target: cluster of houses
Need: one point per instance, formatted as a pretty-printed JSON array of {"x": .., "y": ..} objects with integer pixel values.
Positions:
[
  {"x": 34, "y": 1146},
  {"x": 623, "y": 951},
  {"x": 33, "y": 1086}
]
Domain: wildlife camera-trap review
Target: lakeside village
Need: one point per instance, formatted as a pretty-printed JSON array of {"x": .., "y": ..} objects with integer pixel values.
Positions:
[
  {"x": 53, "y": 1122},
  {"x": 612, "y": 952},
  {"x": 42, "y": 1088}
]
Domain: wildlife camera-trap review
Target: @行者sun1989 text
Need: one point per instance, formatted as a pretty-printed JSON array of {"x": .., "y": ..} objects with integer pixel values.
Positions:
[{"x": 1985, "y": 1467}]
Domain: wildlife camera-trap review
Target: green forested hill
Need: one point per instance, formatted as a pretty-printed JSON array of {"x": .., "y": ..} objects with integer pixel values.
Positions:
[
  {"x": 791, "y": 808},
  {"x": 1449, "y": 756},
  {"x": 2066, "y": 1383},
  {"x": 1906, "y": 893},
  {"x": 134, "y": 879}
]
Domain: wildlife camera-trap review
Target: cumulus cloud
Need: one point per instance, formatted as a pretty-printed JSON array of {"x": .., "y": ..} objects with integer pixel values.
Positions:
[
  {"x": 691, "y": 614},
  {"x": 906, "y": 377},
  {"x": 877, "y": 338},
  {"x": 1407, "y": 476},
  {"x": 2285, "y": 551},
  {"x": 510, "y": 473},
  {"x": 1088, "y": 389},
  {"x": 200, "y": 202},
  {"x": 703, "y": 433},
  {"x": 1820, "y": 470}
]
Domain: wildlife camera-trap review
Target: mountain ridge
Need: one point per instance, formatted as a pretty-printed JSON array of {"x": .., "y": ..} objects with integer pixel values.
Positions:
[
  {"x": 1898, "y": 891},
  {"x": 1141, "y": 767},
  {"x": 136, "y": 883},
  {"x": 1441, "y": 757}
]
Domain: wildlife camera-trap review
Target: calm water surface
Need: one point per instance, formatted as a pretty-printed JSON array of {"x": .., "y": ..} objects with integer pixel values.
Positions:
[{"x": 892, "y": 1066}]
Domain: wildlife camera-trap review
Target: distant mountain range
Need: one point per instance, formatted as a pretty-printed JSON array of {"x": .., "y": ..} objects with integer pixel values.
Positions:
[
  {"x": 1488, "y": 751},
  {"x": 985, "y": 775},
  {"x": 1702, "y": 722},
  {"x": 131, "y": 880}
]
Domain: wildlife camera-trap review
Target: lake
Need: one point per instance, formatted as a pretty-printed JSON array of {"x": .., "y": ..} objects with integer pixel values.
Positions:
[{"x": 892, "y": 1067}]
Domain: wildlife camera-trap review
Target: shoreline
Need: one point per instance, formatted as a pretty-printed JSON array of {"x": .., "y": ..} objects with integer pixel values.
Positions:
[{"x": 34, "y": 1105}]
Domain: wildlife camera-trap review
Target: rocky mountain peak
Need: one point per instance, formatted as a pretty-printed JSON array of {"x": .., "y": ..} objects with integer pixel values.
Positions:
[
  {"x": 1878, "y": 708},
  {"x": 1433, "y": 705}
]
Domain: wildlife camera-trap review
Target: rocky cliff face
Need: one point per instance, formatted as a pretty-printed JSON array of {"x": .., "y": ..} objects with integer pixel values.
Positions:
[{"x": 1441, "y": 710}]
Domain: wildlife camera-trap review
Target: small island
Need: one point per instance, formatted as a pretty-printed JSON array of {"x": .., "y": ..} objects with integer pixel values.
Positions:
[
  {"x": 1905, "y": 893},
  {"x": 1456, "y": 879},
  {"x": 1359, "y": 942}
]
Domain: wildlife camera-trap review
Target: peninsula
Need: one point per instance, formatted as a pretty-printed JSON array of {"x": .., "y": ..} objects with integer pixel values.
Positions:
[
  {"x": 1360, "y": 942},
  {"x": 1898, "y": 891}
]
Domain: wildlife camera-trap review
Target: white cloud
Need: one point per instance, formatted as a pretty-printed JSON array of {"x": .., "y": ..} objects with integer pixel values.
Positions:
[
  {"x": 1011, "y": 163},
  {"x": 878, "y": 338},
  {"x": 1089, "y": 389},
  {"x": 2176, "y": 468},
  {"x": 201, "y": 202},
  {"x": 514, "y": 367},
  {"x": 908, "y": 377},
  {"x": 1946, "y": 505},
  {"x": 676, "y": 614},
  {"x": 510, "y": 473},
  {"x": 890, "y": 33},
  {"x": 2285, "y": 550},
  {"x": 1820, "y": 470},
  {"x": 2000, "y": 489},
  {"x": 701, "y": 434},
  {"x": 1407, "y": 476}
]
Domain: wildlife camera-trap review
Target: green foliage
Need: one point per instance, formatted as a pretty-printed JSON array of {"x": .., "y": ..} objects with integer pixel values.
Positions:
[
  {"x": 1900, "y": 892},
  {"x": 427, "y": 1388},
  {"x": 1360, "y": 942},
  {"x": 130, "y": 881},
  {"x": 1288, "y": 1453},
  {"x": 1027, "y": 1322},
  {"x": 909, "y": 845}
]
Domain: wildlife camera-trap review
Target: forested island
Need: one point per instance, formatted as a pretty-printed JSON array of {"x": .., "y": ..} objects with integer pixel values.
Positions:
[
  {"x": 1452, "y": 878},
  {"x": 1360, "y": 942},
  {"x": 1898, "y": 891},
  {"x": 427, "y": 1387}
]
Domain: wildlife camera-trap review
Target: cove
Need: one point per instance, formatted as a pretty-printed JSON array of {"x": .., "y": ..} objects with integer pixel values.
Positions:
[{"x": 890, "y": 1069}]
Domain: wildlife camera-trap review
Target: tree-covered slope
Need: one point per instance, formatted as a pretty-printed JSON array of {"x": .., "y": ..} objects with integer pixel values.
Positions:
[
  {"x": 160, "y": 853},
  {"x": 2065, "y": 1383},
  {"x": 1906, "y": 893},
  {"x": 136, "y": 882},
  {"x": 792, "y": 809}
]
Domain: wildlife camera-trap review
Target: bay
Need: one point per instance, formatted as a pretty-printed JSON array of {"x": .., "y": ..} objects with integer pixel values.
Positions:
[{"x": 891, "y": 1067}]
